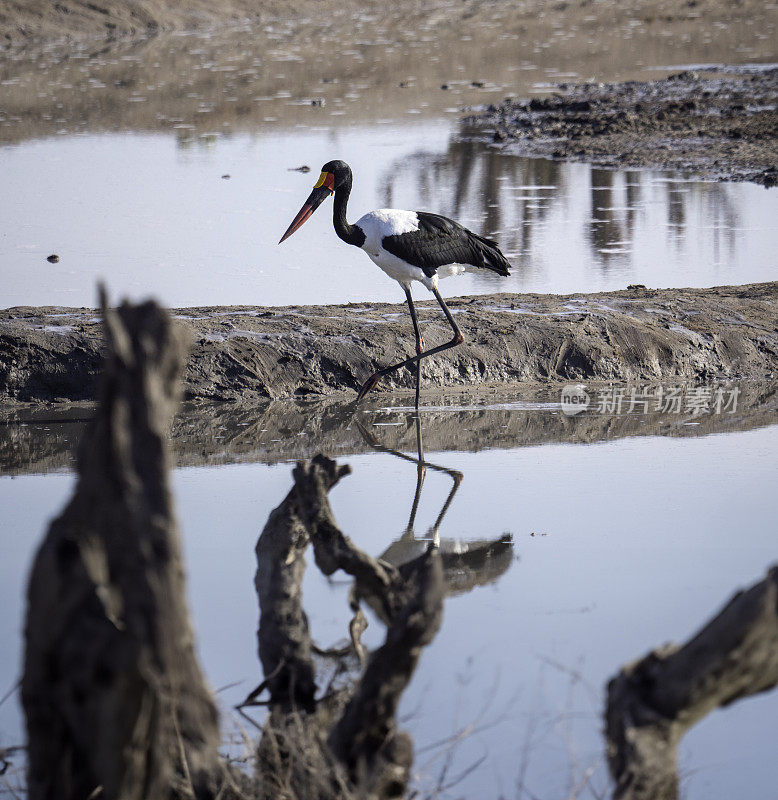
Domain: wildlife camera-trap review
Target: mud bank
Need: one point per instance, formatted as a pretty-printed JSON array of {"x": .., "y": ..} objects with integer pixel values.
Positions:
[
  {"x": 720, "y": 124},
  {"x": 251, "y": 353}
]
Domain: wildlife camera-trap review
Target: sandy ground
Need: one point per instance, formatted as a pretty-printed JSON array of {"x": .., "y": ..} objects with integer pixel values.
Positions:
[
  {"x": 247, "y": 354},
  {"x": 719, "y": 124}
]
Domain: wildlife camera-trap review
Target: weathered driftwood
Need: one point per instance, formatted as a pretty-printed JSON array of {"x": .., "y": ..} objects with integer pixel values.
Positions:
[
  {"x": 283, "y": 636},
  {"x": 322, "y": 749},
  {"x": 115, "y": 702},
  {"x": 654, "y": 701},
  {"x": 366, "y": 738}
]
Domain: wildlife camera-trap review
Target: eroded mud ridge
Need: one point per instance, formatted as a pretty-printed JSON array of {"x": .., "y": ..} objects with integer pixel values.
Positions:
[
  {"x": 720, "y": 124},
  {"x": 245, "y": 353}
]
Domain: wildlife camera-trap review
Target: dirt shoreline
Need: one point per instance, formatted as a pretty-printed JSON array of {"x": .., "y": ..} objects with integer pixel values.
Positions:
[
  {"x": 247, "y": 354},
  {"x": 720, "y": 124}
]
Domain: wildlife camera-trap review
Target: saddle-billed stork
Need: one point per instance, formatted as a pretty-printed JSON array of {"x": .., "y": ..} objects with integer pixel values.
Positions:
[{"x": 408, "y": 246}]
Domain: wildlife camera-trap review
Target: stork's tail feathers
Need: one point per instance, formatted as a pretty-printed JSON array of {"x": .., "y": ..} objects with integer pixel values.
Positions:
[{"x": 490, "y": 254}]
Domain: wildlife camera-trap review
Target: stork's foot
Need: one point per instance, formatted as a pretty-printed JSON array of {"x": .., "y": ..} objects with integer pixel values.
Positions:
[
  {"x": 420, "y": 346},
  {"x": 369, "y": 385}
]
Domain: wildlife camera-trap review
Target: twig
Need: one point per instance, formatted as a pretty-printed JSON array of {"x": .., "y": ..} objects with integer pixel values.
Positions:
[
  {"x": 245, "y": 716},
  {"x": 527, "y": 745},
  {"x": 182, "y": 754},
  {"x": 10, "y": 788},
  {"x": 462, "y": 775},
  {"x": 11, "y": 691},
  {"x": 594, "y": 694},
  {"x": 251, "y": 697},
  {"x": 227, "y": 686}
]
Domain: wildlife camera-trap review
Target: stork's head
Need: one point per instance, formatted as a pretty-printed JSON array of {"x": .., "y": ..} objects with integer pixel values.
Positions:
[{"x": 334, "y": 175}]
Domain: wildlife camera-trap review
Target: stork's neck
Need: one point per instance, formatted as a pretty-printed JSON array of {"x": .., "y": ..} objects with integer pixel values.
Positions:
[{"x": 351, "y": 234}]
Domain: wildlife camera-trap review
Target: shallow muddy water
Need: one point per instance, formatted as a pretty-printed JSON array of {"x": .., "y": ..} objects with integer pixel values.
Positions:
[
  {"x": 628, "y": 531},
  {"x": 152, "y": 215},
  {"x": 163, "y": 167}
]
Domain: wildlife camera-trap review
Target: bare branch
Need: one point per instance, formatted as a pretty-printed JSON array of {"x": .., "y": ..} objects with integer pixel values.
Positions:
[{"x": 654, "y": 701}]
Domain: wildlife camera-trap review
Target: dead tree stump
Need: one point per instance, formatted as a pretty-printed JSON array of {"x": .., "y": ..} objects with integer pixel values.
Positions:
[
  {"x": 115, "y": 702},
  {"x": 346, "y": 745},
  {"x": 654, "y": 701}
]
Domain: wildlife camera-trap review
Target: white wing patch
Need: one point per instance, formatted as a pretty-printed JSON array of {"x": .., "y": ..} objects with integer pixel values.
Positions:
[
  {"x": 394, "y": 222},
  {"x": 390, "y": 222}
]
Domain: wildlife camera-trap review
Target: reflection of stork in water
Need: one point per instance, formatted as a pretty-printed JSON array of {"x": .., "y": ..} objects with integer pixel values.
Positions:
[
  {"x": 465, "y": 564},
  {"x": 421, "y": 474},
  {"x": 408, "y": 246}
]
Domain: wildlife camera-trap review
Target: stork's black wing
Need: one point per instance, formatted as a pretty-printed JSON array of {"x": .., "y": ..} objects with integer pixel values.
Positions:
[{"x": 439, "y": 241}]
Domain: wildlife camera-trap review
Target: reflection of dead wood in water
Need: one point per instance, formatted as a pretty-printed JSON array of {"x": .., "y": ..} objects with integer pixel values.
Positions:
[
  {"x": 465, "y": 564},
  {"x": 654, "y": 701},
  {"x": 347, "y": 742},
  {"x": 115, "y": 701}
]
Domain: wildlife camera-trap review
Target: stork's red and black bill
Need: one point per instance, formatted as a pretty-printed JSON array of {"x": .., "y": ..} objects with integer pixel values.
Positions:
[{"x": 324, "y": 187}]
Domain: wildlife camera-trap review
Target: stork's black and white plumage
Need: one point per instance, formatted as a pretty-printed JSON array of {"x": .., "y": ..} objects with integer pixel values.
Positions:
[{"x": 408, "y": 246}]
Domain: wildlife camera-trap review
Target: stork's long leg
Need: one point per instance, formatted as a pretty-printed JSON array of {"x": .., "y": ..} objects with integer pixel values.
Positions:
[
  {"x": 419, "y": 340},
  {"x": 372, "y": 381},
  {"x": 421, "y": 467}
]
